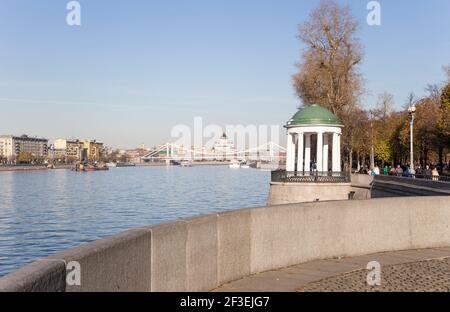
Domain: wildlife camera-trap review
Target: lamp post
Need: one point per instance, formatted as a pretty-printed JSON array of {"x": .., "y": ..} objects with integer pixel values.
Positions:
[
  {"x": 411, "y": 111},
  {"x": 372, "y": 152}
]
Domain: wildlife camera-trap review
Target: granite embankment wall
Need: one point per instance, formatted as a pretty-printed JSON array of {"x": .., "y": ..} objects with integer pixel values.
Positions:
[
  {"x": 361, "y": 186},
  {"x": 202, "y": 253},
  {"x": 288, "y": 193}
]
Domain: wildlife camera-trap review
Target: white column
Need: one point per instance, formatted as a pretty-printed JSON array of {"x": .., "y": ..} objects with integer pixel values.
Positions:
[
  {"x": 319, "y": 157},
  {"x": 325, "y": 152},
  {"x": 300, "y": 153},
  {"x": 333, "y": 152},
  {"x": 339, "y": 153},
  {"x": 307, "y": 152},
  {"x": 336, "y": 153},
  {"x": 290, "y": 157}
]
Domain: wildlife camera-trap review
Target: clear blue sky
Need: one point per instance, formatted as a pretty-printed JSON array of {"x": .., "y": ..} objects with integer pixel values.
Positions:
[{"x": 136, "y": 68}]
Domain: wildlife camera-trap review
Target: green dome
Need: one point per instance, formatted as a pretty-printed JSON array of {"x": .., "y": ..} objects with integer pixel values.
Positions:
[{"x": 314, "y": 115}]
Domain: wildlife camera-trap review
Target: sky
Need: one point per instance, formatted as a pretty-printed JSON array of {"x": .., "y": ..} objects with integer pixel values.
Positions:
[{"x": 135, "y": 69}]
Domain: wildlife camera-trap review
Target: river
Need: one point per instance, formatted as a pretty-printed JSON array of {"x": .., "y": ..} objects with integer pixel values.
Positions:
[{"x": 42, "y": 213}]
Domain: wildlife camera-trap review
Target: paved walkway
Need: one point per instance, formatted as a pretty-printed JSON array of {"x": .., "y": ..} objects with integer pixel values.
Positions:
[{"x": 409, "y": 270}]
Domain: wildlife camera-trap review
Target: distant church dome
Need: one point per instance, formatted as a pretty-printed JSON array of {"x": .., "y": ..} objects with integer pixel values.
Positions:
[{"x": 314, "y": 115}]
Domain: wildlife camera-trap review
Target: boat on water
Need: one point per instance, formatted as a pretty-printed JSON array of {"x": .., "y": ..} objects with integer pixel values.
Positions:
[
  {"x": 234, "y": 164},
  {"x": 125, "y": 164},
  {"x": 95, "y": 169},
  {"x": 186, "y": 163},
  {"x": 90, "y": 167}
]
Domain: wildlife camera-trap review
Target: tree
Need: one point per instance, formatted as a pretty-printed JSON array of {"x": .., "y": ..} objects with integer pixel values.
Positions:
[
  {"x": 25, "y": 157},
  {"x": 399, "y": 137},
  {"x": 430, "y": 140},
  {"x": 328, "y": 74},
  {"x": 383, "y": 151},
  {"x": 356, "y": 140},
  {"x": 384, "y": 106},
  {"x": 383, "y": 127},
  {"x": 447, "y": 71},
  {"x": 445, "y": 96},
  {"x": 443, "y": 126},
  {"x": 426, "y": 136},
  {"x": 113, "y": 156},
  {"x": 123, "y": 158}
]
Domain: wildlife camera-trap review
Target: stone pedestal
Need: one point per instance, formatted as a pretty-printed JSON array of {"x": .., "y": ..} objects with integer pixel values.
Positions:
[{"x": 291, "y": 193}]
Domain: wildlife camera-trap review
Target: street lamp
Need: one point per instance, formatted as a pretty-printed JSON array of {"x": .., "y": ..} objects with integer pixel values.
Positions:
[
  {"x": 411, "y": 111},
  {"x": 372, "y": 152}
]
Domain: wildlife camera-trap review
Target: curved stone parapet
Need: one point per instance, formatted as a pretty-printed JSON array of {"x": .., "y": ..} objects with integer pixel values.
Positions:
[{"x": 202, "y": 253}]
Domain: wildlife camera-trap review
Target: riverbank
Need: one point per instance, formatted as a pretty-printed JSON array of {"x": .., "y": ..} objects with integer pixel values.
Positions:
[
  {"x": 24, "y": 168},
  {"x": 195, "y": 163},
  {"x": 31, "y": 168}
]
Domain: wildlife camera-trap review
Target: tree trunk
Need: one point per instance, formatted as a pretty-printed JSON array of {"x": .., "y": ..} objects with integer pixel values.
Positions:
[
  {"x": 358, "y": 160},
  {"x": 441, "y": 154},
  {"x": 350, "y": 160}
]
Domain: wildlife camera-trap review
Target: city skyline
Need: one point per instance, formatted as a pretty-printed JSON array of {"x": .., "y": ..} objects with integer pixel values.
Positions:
[{"x": 130, "y": 73}]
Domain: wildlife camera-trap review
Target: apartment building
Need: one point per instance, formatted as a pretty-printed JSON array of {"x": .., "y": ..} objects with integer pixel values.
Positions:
[
  {"x": 73, "y": 149},
  {"x": 11, "y": 146},
  {"x": 92, "y": 150}
]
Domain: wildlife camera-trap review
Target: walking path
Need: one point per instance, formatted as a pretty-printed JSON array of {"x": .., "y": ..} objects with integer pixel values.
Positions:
[{"x": 409, "y": 270}]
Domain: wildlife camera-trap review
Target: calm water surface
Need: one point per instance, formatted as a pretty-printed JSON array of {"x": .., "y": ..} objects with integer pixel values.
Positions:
[{"x": 45, "y": 212}]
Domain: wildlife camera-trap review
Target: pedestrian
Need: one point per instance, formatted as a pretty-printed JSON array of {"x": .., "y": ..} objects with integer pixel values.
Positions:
[
  {"x": 376, "y": 170},
  {"x": 392, "y": 171},
  {"x": 410, "y": 173},
  {"x": 427, "y": 171},
  {"x": 419, "y": 170},
  {"x": 399, "y": 171},
  {"x": 435, "y": 174}
]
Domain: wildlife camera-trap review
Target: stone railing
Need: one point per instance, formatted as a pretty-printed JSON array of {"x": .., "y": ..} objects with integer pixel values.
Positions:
[
  {"x": 442, "y": 178},
  {"x": 283, "y": 176},
  {"x": 202, "y": 253}
]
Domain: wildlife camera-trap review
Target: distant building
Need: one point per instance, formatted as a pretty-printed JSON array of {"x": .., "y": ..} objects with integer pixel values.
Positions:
[
  {"x": 135, "y": 155},
  {"x": 12, "y": 146},
  {"x": 92, "y": 150},
  {"x": 72, "y": 149},
  {"x": 77, "y": 150},
  {"x": 223, "y": 148},
  {"x": 55, "y": 154}
]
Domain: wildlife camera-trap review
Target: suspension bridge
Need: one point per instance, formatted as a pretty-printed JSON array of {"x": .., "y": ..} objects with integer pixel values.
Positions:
[{"x": 267, "y": 152}]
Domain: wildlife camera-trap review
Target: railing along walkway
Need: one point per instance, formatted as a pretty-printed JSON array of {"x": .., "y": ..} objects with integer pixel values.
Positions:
[{"x": 283, "y": 176}]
